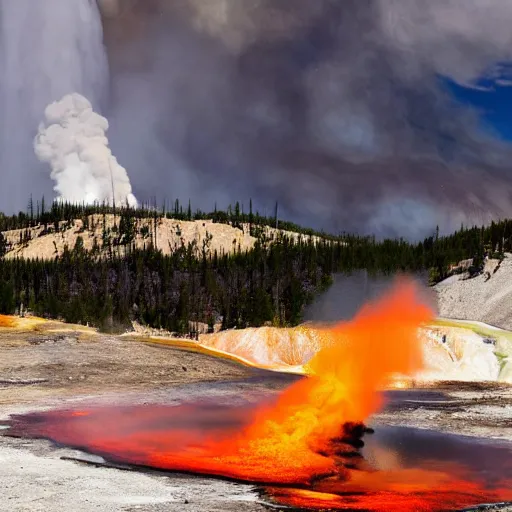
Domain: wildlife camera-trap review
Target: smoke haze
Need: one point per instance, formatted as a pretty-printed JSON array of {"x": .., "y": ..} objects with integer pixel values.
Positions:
[{"x": 336, "y": 109}]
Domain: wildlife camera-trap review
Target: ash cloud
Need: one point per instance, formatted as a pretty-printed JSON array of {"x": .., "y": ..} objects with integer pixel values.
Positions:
[{"x": 334, "y": 108}]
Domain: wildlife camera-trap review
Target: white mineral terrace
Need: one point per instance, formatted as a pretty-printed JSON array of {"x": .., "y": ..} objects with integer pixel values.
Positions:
[{"x": 451, "y": 352}]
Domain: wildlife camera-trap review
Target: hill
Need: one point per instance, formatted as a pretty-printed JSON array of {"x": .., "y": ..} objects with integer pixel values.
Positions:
[
  {"x": 487, "y": 297},
  {"x": 100, "y": 234},
  {"x": 173, "y": 269}
]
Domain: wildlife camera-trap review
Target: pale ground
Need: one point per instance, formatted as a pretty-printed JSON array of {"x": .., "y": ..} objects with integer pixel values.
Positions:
[
  {"x": 470, "y": 409},
  {"x": 71, "y": 366},
  {"x": 170, "y": 235},
  {"x": 480, "y": 298},
  {"x": 51, "y": 365},
  {"x": 34, "y": 478}
]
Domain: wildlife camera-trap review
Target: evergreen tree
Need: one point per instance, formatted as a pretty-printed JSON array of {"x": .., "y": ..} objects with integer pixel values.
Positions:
[
  {"x": 31, "y": 210},
  {"x": 3, "y": 245}
]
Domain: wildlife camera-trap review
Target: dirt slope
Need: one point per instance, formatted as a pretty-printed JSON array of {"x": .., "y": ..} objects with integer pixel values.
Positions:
[
  {"x": 168, "y": 235},
  {"x": 482, "y": 298}
]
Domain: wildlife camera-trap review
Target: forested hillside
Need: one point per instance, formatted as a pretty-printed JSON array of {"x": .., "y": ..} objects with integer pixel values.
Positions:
[{"x": 270, "y": 281}]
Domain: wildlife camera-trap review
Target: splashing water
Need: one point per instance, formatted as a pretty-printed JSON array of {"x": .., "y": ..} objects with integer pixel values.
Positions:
[
  {"x": 48, "y": 49},
  {"x": 73, "y": 142}
]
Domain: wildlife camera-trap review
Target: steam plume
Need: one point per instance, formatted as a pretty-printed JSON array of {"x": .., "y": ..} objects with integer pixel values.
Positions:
[
  {"x": 73, "y": 141},
  {"x": 47, "y": 49}
]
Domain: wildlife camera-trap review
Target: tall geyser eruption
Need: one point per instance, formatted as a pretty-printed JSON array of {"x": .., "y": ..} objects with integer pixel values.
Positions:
[
  {"x": 73, "y": 141},
  {"x": 48, "y": 49}
]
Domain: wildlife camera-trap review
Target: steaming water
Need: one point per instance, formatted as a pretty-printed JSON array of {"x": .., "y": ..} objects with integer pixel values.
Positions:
[
  {"x": 490, "y": 459},
  {"x": 48, "y": 49},
  {"x": 73, "y": 141},
  {"x": 228, "y": 405}
]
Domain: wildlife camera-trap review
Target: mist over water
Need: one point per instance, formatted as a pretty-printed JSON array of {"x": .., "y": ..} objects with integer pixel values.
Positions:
[{"x": 48, "y": 49}]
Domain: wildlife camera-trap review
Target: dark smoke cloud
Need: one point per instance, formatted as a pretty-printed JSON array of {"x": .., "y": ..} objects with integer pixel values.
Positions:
[{"x": 334, "y": 108}]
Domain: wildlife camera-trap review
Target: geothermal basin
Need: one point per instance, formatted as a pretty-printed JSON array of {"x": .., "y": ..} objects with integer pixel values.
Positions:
[
  {"x": 248, "y": 438},
  {"x": 398, "y": 468}
]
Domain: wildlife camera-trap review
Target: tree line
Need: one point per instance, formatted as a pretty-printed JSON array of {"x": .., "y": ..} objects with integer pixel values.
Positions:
[
  {"x": 39, "y": 213},
  {"x": 270, "y": 283},
  {"x": 253, "y": 288}
]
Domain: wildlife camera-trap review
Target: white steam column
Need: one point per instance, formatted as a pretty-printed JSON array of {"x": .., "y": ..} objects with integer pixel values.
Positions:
[
  {"x": 73, "y": 140},
  {"x": 48, "y": 48}
]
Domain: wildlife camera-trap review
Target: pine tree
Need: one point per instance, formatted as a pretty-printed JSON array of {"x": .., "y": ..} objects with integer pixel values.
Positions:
[{"x": 3, "y": 245}]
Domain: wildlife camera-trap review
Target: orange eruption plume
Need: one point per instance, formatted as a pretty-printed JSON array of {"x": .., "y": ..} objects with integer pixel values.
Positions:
[
  {"x": 343, "y": 387},
  {"x": 312, "y": 430},
  {"x": 287, "y": 442}
]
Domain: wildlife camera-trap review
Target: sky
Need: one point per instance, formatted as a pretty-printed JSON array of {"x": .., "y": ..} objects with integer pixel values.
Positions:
[
  {"x": 491, "y": 95},
  {"x": 371, "y": 116}
]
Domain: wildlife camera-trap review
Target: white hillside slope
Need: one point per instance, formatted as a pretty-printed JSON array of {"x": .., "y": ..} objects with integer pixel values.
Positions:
[
  {"x": 167, "y": 234},
  {"x": 479, "y": 299},
  {"x": 483, "y": 307}
]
